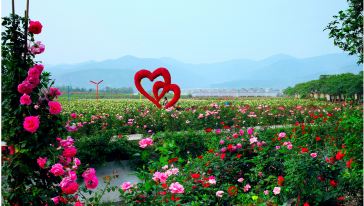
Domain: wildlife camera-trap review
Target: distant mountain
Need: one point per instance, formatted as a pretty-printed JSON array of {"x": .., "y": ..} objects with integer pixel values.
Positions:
[{"x": 278, "y": 71}]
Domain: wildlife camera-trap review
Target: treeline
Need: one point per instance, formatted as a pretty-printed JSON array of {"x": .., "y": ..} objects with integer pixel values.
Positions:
[
  {"x": 342, "y": 85},
  {"x": 110, "y": 90}
]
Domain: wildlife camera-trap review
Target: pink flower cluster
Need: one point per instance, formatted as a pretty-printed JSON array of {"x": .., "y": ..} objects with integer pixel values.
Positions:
[
  {"x": 32, "y": 80},
  {"x": 90, "y": 178},
  {"x": 66, "y": 168},
  {"x": 288, "y": 144}
]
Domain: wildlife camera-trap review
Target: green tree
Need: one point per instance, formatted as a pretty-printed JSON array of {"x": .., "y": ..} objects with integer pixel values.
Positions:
[{"x": 347, "y": 29}]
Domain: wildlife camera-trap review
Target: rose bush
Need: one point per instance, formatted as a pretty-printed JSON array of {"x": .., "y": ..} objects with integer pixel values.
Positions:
[{"x": 40, "y": 167}]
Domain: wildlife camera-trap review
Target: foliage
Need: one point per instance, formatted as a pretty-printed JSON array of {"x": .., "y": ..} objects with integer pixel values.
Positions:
[
  {"x": 347, "y": 29},
  {"x": 308, "y": 171},
  {"x": 346, "y": 84}
]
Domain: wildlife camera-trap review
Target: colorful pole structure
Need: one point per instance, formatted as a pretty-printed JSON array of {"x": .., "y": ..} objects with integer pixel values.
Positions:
[{"x": 97, "y": 88}]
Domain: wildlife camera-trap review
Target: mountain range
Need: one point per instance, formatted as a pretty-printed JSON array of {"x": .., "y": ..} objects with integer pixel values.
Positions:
[{"x": 278, "y": 71}]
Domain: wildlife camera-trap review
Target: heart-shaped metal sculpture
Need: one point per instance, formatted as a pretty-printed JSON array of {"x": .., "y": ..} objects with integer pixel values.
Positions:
[{"x": 166, "y": 86}]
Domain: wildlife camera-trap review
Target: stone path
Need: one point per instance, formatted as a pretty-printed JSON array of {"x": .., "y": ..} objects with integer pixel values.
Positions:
[{"x": 123, "y": 169}]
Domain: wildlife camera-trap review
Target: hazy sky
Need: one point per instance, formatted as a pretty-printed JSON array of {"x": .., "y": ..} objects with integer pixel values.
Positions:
[{"x": 193, "y": 31}]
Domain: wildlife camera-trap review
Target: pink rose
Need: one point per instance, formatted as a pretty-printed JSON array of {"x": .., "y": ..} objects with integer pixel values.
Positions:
[
  {"x": 31, "y": 123},
  {"x": 223, "y": 150},
  {"x": 91, "y": 183},
  {"x": 33, "y": 81},
  {"x": 54, "y": 92},
  {"x": 33, "y": 72},
  {"x": 241, "y": 132},
  {"x": 54, "y": 107},
  {"x": 218, "y": 131},
  {"x": 89, "y": 173},
  {"x": 250, "y": 131},
  {"x": 176, "y": 188},
  {"x": 37, "y": 48},
  {"x": 73, "y": 115},
  {"x": 55, "y": 200},
  {"x": 160, "y": 176},
  {"x": 35, "y": 27},
  {"x": 67, "y": 142},
  {"x": 247, "y": 187},
  {"x": 69, "y": 151},
  {"x": 241, "y": 180},
  {"x": 219, "y": 193},
  {"x": 276, "y": 190},
  {"x": 77, "y": 161},
  {"x": 239, "y": 146},
  {"x": 266, "y": 192},
  {"x": 40, "y": 68},
  {"x": 42, "y": 162},
  {"x": 143, "y": 143},
  {"x": 212, "y": 180},
  {"x": 313, "y": 155},
  {"x": 253, "y": 140},
  {"x": 282, "y": 135},
  {"x": 72, "y": 174},
  {"x": 57, "y": 169},
  {"x": 25, "y": 100},
  {"x": 68, "y": 185},
  {"x": 78, "y": 203},
  {"x": 25, "y": 87},
  {"x": 126, "y": 186}
]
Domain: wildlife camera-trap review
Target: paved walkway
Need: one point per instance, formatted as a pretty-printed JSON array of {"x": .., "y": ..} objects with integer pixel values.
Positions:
[{"x": 123, "y": 169}]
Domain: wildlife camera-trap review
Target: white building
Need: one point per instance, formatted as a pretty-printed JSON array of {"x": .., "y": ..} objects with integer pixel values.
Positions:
[{"x": 252, "y": 92}]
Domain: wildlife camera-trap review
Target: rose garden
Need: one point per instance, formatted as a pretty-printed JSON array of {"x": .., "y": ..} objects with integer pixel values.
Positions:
[{"x": 249, "y": 151}]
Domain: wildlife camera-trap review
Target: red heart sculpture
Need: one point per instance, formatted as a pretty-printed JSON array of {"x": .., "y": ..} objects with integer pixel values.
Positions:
[
  {"x": 177, "y": 93},
  {"x": 166, "y": 88},
  {"x": 151, "y": 76}
]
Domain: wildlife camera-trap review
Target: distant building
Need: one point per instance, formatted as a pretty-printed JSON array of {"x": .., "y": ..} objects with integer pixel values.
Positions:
[{"x": 252, "y": 92}]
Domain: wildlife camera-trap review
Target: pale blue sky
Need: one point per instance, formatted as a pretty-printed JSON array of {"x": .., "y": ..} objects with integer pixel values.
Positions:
[{"x": 193, "y": 31}]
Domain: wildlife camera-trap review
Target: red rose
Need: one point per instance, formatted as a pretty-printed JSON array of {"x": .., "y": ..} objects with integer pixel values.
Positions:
[
  {"x": 208, "y": 129},
  {"x": 339, "y": 155},
  {"x": 175, "y": 159},
  {"x": 348, "y": 163},
  {"x": 333, "y": 183},
  {"x": 318, "y": 138},
  {"x": 35, "y": 27},
  {"x": 306, "y": 204},
  {"x": 195, "y": 175},
  {"x": 232, "y": 190},
  {"x": 341, "y": 198},
  {"x": 280, "y": 180},
  {"x": 304, "y": 150}
]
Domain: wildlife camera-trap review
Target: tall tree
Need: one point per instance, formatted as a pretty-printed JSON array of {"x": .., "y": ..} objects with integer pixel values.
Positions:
[{"x": 347, "y": 29}]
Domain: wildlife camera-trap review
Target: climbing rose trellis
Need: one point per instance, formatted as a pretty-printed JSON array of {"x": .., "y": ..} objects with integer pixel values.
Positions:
[{"x": 39, "y": 167}]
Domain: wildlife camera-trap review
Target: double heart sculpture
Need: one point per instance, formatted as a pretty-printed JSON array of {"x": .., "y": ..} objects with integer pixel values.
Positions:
[{"x": 166, "y": 86}]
